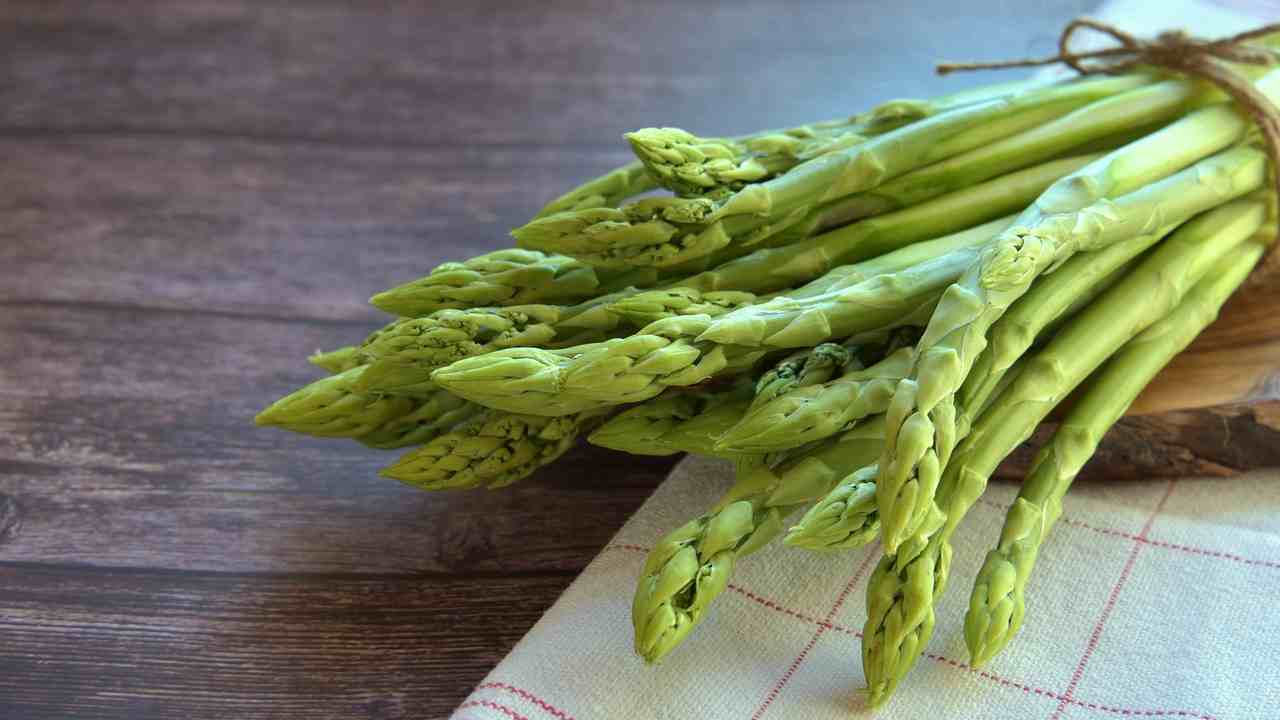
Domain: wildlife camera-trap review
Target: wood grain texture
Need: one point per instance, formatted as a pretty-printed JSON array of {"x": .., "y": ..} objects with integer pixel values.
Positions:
[
  {"x": 560, "y": 73},
  {"x": 155, "y": 646},
  {"x": 194, "y": 195},
  {"x": 254, "y": 228},
  {"x": 139, "y": 435}
]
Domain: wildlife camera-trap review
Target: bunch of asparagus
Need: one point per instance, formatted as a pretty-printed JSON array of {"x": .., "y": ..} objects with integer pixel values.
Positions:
[{"x": 865, "y": 316}]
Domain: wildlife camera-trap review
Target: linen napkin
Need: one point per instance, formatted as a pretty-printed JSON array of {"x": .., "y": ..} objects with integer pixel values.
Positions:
[{"x": 1151, "y": 599}]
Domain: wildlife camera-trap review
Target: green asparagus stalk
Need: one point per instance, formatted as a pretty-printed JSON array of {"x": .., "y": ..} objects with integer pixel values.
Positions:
[
  {"x": 639, "y": 430},
  {"x": 334, "y": 407},
  {"x": 898, "y": 621},
  {"x": 434, "y": 414},
  {"x": 704, "y": 433},
  {"x": 691, "y": 566},
  {"x": 843, "y": 276},
  {"x": 336, "y": 361},
  {"x": 1059, "y": 223},
  {"x": 691, "y": 165},
  {"x": 684, "y": 297},
  {"x": 869, "y": 164},
  {"x": 623, "y": 370},
  {"x": 503, "y": 277},
  {"x": 820, "y": 410},
  {"x": 402, "y": 355},
  {"x": 875, "y": 302},
  {"x": 804, "y": 369},
  {"x": 676, "y": 421},
  {"x": 493, "y": 450},
  {"x": 673, "y": 232},
  {"x": 803, "y": 142},
  {"x": 920, "y": 438},
  {"x": 642, "y": 237},
  {"x": 1097, "y": 121},
  {"x": 700, "y": 433},
  {"x": 608, "y": 190},
  {"x": 669, "y": 232},
  {"x": 775, "y": 146},
  {"x": 771, "y": 269},
  {"x": 997, "y": 603},
  {"x": 650, "y": 306},
  {"x": 904, "y": 587},
  {"x": 843, "y": 519}
]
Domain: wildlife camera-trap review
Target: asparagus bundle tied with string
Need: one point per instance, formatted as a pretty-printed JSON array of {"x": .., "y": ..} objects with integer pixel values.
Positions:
[{"x": 861, "y": 316}]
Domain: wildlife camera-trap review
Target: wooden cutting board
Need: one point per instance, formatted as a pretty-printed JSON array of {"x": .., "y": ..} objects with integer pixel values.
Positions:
[{"x": 1215, "y": 410}]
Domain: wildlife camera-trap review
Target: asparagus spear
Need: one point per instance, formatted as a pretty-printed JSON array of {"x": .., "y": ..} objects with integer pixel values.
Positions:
[
  {"x": 904, "y": 587},
  {"x": 770, "y": 269},
  {"x": 875, "y": 302},
  {"x": 1005, "y": 270},
  {"x": 843, "y": 519},
  {"x": 667, "y": 232},
  {"x": 699, "y": 433},
  {"x": 683, "y": 420},
  {"x": 608, "y": 190},
  {"x": 683, "y": 297},
  {"x": 503, "y": 277},
  {"x": 704, "y": 433},
  {"x": 843, "y": 276},
  {"x": 631, "y": 369},
  {"x": 867, "y": 165},
  {"x": 336, "y": 361},
  {"x": 333, "y": 407},
  {"x": 676, "y": 421},
  {"x": 633, "y": 179},
  {"x": 534, "y": 373},
  {"x": 835, "y": 175},
  {"x": 643, "y": 308},
  {"x": 689, "y": 567},
  {"x": 432, "y": 416},
  {"x": 818, "y": 411},
  {"x": 712, "y": 167},
  {"x": 1097, "y": 121},
  {"x": 677, "y": 236},
  {"x": 402, "y": 355},
  {"x": 803, "y": 369},
  {"x": 997, "y": 602},
  {"x": 690, "y": 165},
  {"x": 1051, "y": 300},
  {"x": 493, "y": 450}
]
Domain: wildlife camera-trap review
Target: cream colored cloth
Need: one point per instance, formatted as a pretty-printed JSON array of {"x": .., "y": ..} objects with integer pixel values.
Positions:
[{"x": 1152, "y": 599}]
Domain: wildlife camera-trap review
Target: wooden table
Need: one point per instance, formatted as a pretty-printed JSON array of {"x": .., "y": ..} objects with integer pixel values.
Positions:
[{"x": 196, "y": 195}]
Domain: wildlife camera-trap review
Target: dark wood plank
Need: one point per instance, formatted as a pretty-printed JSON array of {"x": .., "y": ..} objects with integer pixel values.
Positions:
[
  {"x": 301, "y": 231},
  {"x": 141, "y": 645},
  {"x": 127, "y": 440},
  {"x": 1216, "y": 441},
  {"x": 569, "y": 72}
]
